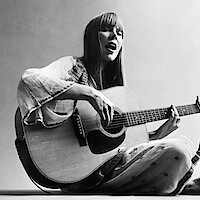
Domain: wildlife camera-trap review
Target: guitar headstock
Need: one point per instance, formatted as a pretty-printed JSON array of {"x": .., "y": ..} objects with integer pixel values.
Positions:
[{"x": 197, "y": 102}]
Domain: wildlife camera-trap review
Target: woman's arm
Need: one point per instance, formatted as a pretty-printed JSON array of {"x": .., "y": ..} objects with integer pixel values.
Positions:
[
  {"x": 169, "y": 126},
  {"x": 100, "y": 103},
  {"x": 39, "y": 88}
]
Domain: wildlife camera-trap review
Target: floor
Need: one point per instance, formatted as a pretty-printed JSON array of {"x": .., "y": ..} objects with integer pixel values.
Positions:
[{"x": 37, "y": 194}]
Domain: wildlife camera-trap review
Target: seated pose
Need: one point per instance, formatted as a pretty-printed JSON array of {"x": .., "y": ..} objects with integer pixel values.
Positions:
[{"x": 49, "y": 96}]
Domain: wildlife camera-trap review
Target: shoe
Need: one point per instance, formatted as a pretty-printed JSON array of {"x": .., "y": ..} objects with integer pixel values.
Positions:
[{"x": 192, "y": 188}]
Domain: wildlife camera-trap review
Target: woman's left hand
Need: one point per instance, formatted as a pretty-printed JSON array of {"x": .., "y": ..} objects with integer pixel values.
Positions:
[{"x": 170, "y": 125}]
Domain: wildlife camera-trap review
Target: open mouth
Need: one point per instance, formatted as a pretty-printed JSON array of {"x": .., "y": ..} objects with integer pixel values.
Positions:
[{"x": 111, "y": 46}]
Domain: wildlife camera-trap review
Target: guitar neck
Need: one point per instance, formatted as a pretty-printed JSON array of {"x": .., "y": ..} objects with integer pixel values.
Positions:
[{"x": 145, "y": 116}]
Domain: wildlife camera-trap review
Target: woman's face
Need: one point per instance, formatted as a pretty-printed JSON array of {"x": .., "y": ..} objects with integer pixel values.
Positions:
[{"x": 110, "y": 39}]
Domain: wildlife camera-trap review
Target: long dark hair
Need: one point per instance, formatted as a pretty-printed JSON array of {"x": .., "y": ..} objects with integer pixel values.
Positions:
[{"x": 112, "y": 73}]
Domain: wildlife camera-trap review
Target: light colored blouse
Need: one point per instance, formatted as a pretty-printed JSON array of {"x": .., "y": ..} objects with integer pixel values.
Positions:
[{"x": 39, "y": 87}]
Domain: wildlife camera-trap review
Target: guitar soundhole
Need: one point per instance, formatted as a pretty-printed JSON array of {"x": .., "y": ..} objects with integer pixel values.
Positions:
[{"x": 99, "y": 143}]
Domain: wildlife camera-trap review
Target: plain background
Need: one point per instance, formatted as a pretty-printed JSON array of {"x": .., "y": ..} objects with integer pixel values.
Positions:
[{"x": 162, "y": 48}]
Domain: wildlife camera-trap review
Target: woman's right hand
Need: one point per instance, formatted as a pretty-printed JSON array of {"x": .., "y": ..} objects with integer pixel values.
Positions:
[{"x": 102, "y": 105}]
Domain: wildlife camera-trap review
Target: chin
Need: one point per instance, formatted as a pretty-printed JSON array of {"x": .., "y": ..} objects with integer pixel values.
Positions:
[{"x": 110, "y": 58}]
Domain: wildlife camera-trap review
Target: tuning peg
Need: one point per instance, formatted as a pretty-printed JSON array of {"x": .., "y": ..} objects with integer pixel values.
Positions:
[{"x": 197, "y": 102}]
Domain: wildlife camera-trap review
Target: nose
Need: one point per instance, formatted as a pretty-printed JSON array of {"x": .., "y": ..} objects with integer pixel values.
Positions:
[{"x": 113, "y": 33}]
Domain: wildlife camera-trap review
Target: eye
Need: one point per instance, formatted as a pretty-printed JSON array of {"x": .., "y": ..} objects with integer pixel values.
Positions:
[
  {"x": 119, "y": 32},
  {"x": 106, "y": 29}
]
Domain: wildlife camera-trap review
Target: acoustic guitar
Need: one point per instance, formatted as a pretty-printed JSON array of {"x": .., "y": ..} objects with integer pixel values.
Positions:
[{"x": 73, "y": 150}]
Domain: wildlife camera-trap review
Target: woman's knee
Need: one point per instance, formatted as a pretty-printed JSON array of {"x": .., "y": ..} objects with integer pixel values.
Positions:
[{"x": 179, "y": 154}]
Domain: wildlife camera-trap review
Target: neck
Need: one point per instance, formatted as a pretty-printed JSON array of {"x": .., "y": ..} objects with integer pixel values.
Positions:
[
  {"x": 101, "y": 77},
  {"x": 102, "y": 65}
]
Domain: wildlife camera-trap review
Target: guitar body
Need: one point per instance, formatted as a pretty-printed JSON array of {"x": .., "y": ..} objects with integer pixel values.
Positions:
[{"x": 57, "y": 153}]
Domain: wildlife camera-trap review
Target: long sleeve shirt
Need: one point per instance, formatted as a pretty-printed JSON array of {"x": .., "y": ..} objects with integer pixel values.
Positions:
[{"x": 39, "y": 87}]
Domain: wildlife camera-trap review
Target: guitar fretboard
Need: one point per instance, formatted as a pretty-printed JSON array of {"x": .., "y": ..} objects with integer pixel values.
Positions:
[{"x": 141, "y": 117}]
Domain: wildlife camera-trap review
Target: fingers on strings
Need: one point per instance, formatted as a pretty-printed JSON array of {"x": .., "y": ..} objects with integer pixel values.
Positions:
[
  {"x": 108, "y": 112},
  {"x": 174, "y": 117}
]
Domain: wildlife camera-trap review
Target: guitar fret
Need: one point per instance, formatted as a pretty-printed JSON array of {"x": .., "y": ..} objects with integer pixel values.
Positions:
[
  {"x": 129, "y": 119},
  {"x": 181, "y": 111},
  {"x": 142, "y": 117},
  {"x": 187, "y": 110},
  {"x": 137, "y": 118},
  {"x": 152, "y": 115},
  {"x": 159, "y": 115},
  {"x": 193, "y": 109},
  {"x": 190, "y": 110},
  {"x": 163, "y": 113},
  {"x": 145, "y": 116}
]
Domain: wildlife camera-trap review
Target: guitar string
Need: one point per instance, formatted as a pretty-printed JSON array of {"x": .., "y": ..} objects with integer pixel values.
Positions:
[
  {"x": 155, "y": 115},
  {"x": 129, "y": 117},
  {"x": 141, "y": 117}
]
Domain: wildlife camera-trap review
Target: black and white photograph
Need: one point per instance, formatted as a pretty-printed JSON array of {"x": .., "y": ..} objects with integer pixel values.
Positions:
[{"x": 100, "y": 99}]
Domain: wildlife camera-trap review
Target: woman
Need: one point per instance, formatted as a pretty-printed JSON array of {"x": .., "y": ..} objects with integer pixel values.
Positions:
[{"x": 49, "y": 95}]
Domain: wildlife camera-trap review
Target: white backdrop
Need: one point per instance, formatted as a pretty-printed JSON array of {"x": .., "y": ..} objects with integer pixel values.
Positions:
[{"x": 162, "y": 47}]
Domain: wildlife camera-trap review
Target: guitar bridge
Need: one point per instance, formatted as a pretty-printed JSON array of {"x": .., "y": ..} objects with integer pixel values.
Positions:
[{"x": 78, "y": 127}]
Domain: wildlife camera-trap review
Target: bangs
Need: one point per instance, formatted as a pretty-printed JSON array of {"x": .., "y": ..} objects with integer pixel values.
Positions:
[{"x": 110, "y": 20}]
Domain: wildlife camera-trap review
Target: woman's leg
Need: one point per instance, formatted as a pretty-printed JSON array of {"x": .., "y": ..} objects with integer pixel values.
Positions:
[{"x": 157, "y": 171}]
